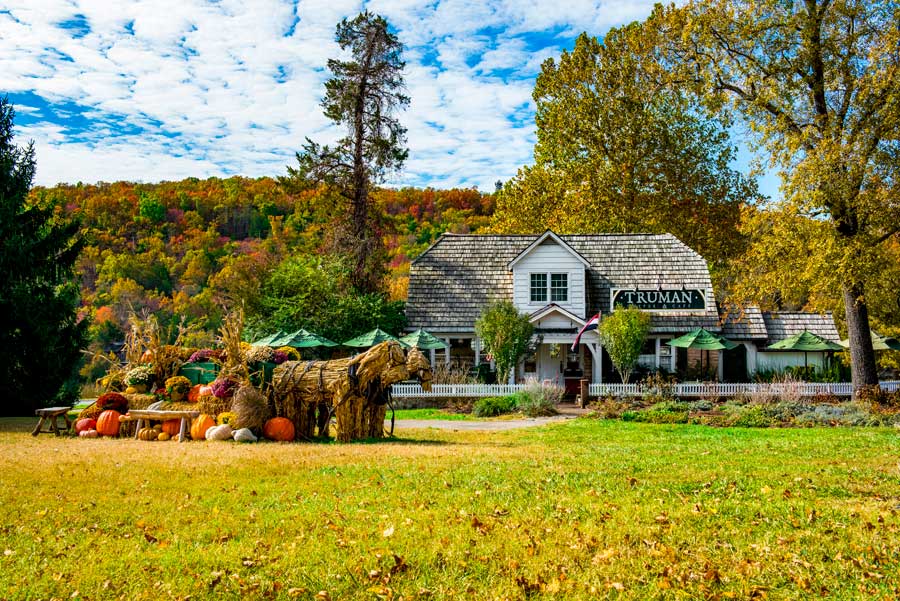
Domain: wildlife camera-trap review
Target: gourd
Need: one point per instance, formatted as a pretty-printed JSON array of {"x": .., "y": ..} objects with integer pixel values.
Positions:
[
  {"x": 163, "y": 436},
  {"x": 222, "y": 432},
  {"x": 171, "y": 427},
  {"x": 194, "y": 393},
  {"x": 201, "y": 425},
  {"x": 147, "y": 434},
  {"x": 244, "y": 435},
  {"x": 85, "y": 424},
  {"x": 279, "y": 428},
  {"x": 108, "y": 423},
  {"x": 88, "y": 434}
]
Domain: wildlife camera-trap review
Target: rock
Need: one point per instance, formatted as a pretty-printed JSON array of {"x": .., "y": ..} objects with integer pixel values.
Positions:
[
  {"x": 222, "y": 432},
  {"x": 244, "y": 435}
]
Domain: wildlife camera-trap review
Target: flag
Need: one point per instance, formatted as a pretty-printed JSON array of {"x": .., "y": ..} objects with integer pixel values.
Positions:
[{"x": 592, "y": 324}]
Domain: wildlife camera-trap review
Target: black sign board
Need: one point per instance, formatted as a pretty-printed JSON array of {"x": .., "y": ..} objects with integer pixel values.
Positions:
[{"x": 660, "y": 300}]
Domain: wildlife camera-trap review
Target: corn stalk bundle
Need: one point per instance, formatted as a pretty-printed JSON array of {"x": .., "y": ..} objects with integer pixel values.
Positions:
[{"x": 234, "y": 366}]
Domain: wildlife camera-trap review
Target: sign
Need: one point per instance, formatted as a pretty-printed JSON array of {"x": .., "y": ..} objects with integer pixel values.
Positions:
[{"x": 659, "y": 300}]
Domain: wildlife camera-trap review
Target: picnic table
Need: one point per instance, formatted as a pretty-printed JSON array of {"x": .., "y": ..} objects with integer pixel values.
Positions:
[{"x": 142, "y": 415}]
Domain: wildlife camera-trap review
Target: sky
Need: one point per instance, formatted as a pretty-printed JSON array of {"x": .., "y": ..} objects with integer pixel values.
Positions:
[{"x": 168, "y": 89}]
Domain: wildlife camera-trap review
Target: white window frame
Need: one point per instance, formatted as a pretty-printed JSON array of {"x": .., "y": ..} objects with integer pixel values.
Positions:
[
  {"x": 532, "y": 288},
  {"x": 550, "y": 287}
]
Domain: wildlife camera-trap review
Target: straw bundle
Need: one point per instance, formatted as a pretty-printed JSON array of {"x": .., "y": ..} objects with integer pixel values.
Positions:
[
  {"x": 234, "y": 365},
  {"x": 211, "y": 405},
  {"x": 250, "y": 407}
]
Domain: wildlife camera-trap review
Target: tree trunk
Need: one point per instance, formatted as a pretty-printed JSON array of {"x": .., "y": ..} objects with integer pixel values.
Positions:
[{"x": 862, "y": 356}]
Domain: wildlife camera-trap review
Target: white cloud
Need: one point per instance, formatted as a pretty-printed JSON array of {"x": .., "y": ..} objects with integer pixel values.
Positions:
[{"x": 175, "y": 88}]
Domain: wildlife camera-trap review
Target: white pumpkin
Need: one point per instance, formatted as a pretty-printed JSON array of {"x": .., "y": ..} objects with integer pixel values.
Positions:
[
  {"x": 222, "y": 432},
  {"x": 244, "y": 435}
]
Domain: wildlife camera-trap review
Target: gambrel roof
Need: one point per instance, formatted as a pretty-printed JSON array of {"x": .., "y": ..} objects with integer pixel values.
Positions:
[{"x": 459, "y": 275}]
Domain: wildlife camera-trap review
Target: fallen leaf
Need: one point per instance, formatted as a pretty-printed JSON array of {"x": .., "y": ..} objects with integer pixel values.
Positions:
[{"x": 389, "y": 531}]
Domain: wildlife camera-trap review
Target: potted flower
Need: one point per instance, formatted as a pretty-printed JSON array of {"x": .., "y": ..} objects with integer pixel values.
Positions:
[{"x": 139, "y": 379}]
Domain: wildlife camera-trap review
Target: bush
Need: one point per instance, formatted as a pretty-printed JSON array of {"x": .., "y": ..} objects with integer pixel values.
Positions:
[
  {"x": 539, "y": 399},
  {"x": 607, "y": 408},
  {"x": 494, "y": 405},
  {"x": 754, "y": 416}
]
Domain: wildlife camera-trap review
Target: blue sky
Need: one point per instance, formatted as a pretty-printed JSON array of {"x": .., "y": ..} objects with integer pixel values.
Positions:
[{"x": 166, "y": 89}]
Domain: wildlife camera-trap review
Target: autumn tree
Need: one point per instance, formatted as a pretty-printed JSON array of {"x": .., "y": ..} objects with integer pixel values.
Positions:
[
  {"x": 818, "y": 83},
  {"x": 620, "y": 151},
  {"x": 623, "y": 334},
  {"x": 40, "y": 335},
  {"x": 362, "y": 96}
]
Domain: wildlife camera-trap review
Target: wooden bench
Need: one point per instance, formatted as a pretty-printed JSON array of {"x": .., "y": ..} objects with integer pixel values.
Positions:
[
  {"x": 141, "y": 415},
  {"x": 52, "y": 414}
]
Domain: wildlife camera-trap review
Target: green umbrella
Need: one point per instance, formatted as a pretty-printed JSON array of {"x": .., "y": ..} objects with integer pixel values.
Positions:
[
  {"x": 304, "y": 339},
  {"x": 879, "y": 343},
  {"x": 270, "y": 339},
  {"x": 805, "y": 341},
  {"x": 368, "y": 339},
  {"x": 421, "y": 339},
  {"x": 704, "y": 340}
]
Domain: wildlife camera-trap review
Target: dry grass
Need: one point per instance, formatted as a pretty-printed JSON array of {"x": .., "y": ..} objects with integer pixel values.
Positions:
[{"x": 581, "y": 510}]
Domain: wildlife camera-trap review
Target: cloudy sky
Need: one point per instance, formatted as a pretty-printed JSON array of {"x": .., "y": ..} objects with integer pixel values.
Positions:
[{"x": 166, "y": 89}]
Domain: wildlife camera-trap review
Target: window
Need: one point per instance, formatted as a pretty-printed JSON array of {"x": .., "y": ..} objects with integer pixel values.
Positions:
[
  {"x": 539, "y": 287},
  {"x": 559, "y": 287}
]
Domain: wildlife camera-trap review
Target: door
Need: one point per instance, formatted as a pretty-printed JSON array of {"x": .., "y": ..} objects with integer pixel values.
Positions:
[{"x": 735, "y": 367}]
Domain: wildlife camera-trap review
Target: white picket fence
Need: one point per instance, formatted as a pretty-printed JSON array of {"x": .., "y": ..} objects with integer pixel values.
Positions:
[{"x": 683, "y": 389}]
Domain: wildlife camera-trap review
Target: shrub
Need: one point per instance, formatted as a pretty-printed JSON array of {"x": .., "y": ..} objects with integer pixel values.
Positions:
[
  {"x": 754, "y": 416},
  {"x": 607, "y": 408},
  {"x": 494, "y": 405},
  {"x": 539, "y": 399}
]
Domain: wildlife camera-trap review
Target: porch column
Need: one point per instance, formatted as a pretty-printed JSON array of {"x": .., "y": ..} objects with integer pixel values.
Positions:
[
  {"x": 720, "y": 371},
  {"x": 657, "y": 353},
  {"x": 597, "y": 357},
  {"x": 477, "y": 345},
  {"x": 447, "y": 353},
  {"x": 431, "y": 354}
]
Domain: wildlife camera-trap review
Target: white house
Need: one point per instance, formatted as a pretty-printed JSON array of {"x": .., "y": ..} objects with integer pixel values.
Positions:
[{"x": 561, "y": 281}]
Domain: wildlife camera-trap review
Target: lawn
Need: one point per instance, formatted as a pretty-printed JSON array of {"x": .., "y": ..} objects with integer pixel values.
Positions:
[{"x": 583, "y": 509}]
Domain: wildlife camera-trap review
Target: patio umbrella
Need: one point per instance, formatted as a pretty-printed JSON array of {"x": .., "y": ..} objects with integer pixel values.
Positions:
[
  {"x": 702, "y": 339},
  {"x": 304, "y": 339},
  {"x": 879, "y": 343},
  {"x": 270, "y": 339},
  {"x": 372, "y": 338},
  {"x": 421, "y": 339},
  {"x": 805, "y": 341}
]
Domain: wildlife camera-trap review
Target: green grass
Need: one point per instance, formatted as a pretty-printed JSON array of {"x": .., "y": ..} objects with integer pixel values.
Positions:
[
  {"x": 579, "y": 510},
  {"x": 431, "y": 414}
]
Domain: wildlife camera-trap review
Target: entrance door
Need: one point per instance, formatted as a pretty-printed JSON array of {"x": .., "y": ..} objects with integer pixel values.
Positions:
[
  {"x": 549, "y": 365},
  {"x": 735, "y": 368}
]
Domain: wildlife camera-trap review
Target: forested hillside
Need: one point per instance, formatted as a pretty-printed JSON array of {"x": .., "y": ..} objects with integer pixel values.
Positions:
[{"x": 189, "y": 248}]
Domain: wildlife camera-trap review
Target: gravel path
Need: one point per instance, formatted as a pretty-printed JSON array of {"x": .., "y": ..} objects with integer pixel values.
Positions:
[{"x": 510, "y": 424}]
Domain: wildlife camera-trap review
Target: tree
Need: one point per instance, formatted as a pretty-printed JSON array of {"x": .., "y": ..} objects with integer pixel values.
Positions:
[
  {"x": 623, "y": 334},
  {"x": 618, "y": 151},
  {"x": 507, "y": 335},
  {"x": 818, "y": 84},
  {"x": 40, "y": 335},
  {"x": 363, "y": 96}
]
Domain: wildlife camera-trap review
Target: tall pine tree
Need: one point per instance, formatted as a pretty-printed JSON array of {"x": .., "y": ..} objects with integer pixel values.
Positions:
[{"x": 40, "y": 335}]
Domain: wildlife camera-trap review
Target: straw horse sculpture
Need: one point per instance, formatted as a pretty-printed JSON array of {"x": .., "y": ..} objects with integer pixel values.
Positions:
[{"x": 355, "y": 390}]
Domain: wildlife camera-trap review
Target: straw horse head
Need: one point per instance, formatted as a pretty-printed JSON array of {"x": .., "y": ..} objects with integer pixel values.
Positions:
[{"x": 418, "y": 367}]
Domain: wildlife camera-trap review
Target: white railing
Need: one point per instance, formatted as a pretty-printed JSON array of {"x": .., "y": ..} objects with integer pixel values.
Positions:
[
  {"x": 682, "y": 389},
  {"x": 455, "y": 390}
]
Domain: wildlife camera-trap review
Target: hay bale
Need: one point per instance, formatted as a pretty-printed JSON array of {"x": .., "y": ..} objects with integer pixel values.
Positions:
[
  {"x": 212, "y": 405},
  {"x": 250, "y": 408},
  {"x": 135, "y": 401}
]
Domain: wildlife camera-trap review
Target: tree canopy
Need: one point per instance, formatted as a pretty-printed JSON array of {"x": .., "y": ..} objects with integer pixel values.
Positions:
[
  {"x": 620, "y": 151},
  {"x": 818, "y": 84},
  {"x": 623, "y": 334},
  {"x": 40, "y": 334},
  {"x": 507, "y": 336}
]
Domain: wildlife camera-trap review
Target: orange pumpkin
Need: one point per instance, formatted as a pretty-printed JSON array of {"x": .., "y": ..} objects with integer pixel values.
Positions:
[
  {"x": 279, "y": 428},
  {"x": 201, "y": 425},
  {"x": 171, "y": 427},
  {"x": 194, "y": 393},
  {"x": 108, "y": 423}
]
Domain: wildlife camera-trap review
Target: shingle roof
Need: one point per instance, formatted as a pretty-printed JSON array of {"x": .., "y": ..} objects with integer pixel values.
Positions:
[
  {"x": 744, "y": 324},
  {"x": 784, "y": 324},
  {"x": 451, "y": 282}
]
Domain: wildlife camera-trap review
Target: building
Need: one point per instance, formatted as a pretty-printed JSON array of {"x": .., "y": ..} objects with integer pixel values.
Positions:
[{"x": 561, "y": 281}]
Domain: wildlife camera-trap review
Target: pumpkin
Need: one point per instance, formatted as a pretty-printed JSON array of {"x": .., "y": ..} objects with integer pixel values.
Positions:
[
  {"x": 108, "y": 423},
  {"x": 163, "y": 436},
  {"x": 244, "y": 435},
  {"x": 279, "y": 428},
  {"x": 201, "y": 425},
  {"x": 171, "y": 427},
  {"x": 88, "y": 433},
  {"x": 131, "y": 390},
  {"x": 147, "y": 434},
  {"x": 85, "y": 424},
  {"x": 194, "y": 393},
  {"x": 222, "y": 432},
  {"x": 205, "y": 390}
]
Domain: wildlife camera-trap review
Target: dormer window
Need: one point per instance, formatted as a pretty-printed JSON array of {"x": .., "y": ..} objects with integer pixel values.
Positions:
[
  {"x": 557, "y": 291},
  {"x": 539, "y": 287},
  {"x": 559, "y": 287}
]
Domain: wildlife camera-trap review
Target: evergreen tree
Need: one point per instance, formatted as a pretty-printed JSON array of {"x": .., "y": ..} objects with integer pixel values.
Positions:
[
  {"x": 362, "y": 96},
  {"x": 40, "y": 334}
]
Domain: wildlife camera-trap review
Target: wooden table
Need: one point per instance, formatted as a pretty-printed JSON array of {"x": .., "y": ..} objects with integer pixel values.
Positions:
[
  {"x": 51, "y": 413},
  {"x": 141, "y": 415}
]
